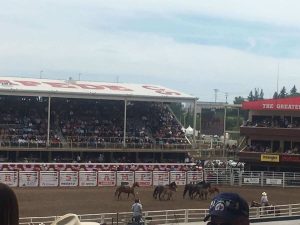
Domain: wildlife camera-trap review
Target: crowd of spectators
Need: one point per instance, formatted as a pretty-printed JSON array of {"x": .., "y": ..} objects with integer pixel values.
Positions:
[
  {"x": 86, "y": 123},
  {"x": 274, "y": 122}
]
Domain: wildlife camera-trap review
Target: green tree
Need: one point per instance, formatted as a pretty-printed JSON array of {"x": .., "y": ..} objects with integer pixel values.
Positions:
[
  {"x": 250, "y": 96},
  {"x": 261, "y": 94},
  {"x": 282, "y": 93},
  {"x": 256, "y": 95},
  {"x": 293, "y": 91},
  {"x": 275, "y": 95},
  {"x": 238, "y": 100}
]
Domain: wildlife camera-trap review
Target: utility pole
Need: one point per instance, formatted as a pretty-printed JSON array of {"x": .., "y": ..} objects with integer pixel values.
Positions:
[
  {"x": 226, "y": 96},
  {"x": 41, "y": 74},
  {"x": 216, "y": 93}
]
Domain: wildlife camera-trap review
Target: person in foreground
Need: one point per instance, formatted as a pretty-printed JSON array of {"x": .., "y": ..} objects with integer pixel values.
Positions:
[
  {"x": 9, "y": 209},
  {"x": 137, "y": 211},
  {"x": 228, "y": 209}
]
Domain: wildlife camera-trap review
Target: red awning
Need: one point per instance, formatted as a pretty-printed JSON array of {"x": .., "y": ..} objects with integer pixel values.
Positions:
[{"x": 281, "y": 104}]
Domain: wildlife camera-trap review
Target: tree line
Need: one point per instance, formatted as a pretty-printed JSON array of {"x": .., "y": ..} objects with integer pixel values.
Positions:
[{"x": 258, "y": 94}]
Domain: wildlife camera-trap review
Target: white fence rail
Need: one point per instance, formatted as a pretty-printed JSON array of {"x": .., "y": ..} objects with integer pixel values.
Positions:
[{"x": 169, "y": 216}]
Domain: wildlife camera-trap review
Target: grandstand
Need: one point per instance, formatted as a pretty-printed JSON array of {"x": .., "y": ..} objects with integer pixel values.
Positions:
[
  {"x": 45, "y": 120},
  {"x": 272, "y": 135}
]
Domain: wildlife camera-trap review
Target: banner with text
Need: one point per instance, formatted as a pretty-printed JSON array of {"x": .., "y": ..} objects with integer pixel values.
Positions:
[
  {"x": 125, "y": 177},
  {"x": 194, "y": 177},
  {"x": 178, "y": 176},
  {"x": 106, "y": 178},
  {"x": 49, "y": 178},
  {"x": 160, "y": 178},
  {"x": 68, "y": 178},
  {"x": 144, "y": 178},
  {"x": 9, "y": 177},
  {"x": 88, "y": 178},
  {"x": 28, "y": 179}
]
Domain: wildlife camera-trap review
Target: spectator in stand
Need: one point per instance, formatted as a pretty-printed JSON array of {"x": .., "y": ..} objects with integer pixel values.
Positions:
[{"x": 9, "y": 209}]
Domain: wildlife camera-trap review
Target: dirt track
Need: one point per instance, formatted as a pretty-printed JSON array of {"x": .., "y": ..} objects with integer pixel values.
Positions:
[{"x": 58, "y": 201}]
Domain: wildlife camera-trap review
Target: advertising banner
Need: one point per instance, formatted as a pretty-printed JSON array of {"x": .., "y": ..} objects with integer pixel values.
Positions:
[
  {"x": 88, "y": 178},
  {"x": 194, "y": 177},
  {"x": 9, "y": 177},
  {"x": 106, "y": 178},
  {"x": 68, "y": 178},
  {"x": 49, "y": 178},
  {"x": 125, "y": 177},
  {"x": 269, "y": 158},
  {"x": 273, "y": 181},
  {"x": 143, "y": 178},
  {"x": 178, "y": 176},
  {"x": 160, "y": 178},
  {"x": 251, "y": 180},
  {"x": 28, "y": 178}
]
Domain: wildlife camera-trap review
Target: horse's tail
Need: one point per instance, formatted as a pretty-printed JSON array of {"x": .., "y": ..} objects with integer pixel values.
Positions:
[{"x": 155, "y": 192}]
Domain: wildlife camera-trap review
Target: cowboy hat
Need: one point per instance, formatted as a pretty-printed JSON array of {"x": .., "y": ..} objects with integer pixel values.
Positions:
[
  {"x": 264, "y": 193},
  {"x": 71, "y": 219}
]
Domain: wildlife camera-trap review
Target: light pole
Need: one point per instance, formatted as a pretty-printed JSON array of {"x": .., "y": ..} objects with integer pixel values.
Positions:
[{"x": 216, "y": 92}]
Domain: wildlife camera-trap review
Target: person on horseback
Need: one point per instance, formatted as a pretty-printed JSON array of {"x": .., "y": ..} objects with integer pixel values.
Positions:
[
  {"x": 264, "y": 199},
  {"x": 137, "y": 213},
  {"x": 228, "y": 208}
]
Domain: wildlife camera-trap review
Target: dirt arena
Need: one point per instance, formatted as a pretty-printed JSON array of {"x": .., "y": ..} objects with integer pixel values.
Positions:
[{"x": 59, "y": 201}]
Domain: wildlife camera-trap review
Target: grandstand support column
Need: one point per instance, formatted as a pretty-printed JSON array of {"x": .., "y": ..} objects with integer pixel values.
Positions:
[
  {"x": 125, "y": 122},
  {"x": 48, "y": 128},
  {"x": 224, "y": 143},
  {"x": 194, "y": 124}
]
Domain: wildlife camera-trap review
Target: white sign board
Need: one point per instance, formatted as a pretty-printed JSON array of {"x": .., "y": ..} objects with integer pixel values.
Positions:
[
  {"x": 194, "y": 177},
  {"x": 106, "y": 178},
  {"x": 178, "y": 176},
  {"x": 88, "y": 178},
  {"x": 28, "y": 179},
  {"x": 251, "y": 180},
  {"x": 125, "y": 176},
  {"x": 144, "y": 178},
  {"x": 48, "y": 178},
  {"x": 273, "y": 181},
  {"x": 160, "y": 178},
  {"x": 68, "y": 178},
  {"x": 9, "y": 177}
]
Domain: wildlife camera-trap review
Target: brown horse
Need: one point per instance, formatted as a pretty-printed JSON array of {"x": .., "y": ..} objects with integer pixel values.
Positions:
[
  {"x": 213, "y": 191},
  {"x": 126, "y": 189},
  {"x": 269, "y": 209},
  {"x": 168, "y": 191}
]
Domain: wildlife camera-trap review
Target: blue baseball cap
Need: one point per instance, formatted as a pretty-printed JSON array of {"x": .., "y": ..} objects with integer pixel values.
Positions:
[{"x": 228, "y": 206}]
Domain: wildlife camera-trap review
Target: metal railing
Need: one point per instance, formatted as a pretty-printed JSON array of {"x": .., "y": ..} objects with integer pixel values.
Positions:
[{"x": 169, "y": 216}]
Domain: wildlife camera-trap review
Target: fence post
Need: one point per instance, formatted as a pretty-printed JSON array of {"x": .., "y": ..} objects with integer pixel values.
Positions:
[
  {"x": 186, "y": 216},
  {"x": 290, "y": 210},
  {"x": 262, "y": 178},
  {"x": 283, "y": 180},
  {"x": 240, "y": 178}
]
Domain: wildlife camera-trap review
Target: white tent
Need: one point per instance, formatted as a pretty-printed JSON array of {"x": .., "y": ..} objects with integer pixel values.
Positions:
[{"x": 189, "y": 131}]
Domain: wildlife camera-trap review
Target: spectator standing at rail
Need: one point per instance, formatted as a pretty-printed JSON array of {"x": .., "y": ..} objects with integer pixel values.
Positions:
[
  {"x": 9, "y": 209},
  {"x": 228, "y": 208},
  {"x": 137, "y": 211}
]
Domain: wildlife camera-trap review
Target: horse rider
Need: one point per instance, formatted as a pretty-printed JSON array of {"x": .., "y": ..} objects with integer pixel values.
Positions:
[
  {"x": 137, "y": 211},
  {"x": 264, "y": 199},
  {"x": 228, "y": 208}
]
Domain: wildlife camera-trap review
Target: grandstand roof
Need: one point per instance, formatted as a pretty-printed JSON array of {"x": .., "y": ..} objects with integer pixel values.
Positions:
[
  {"x": 279, "y": 104},
  {"x": 89, "y": 90}
]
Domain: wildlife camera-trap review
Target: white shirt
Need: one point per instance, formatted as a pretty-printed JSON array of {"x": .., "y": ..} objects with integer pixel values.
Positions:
[
  {"x": 264, "y": 199},
  {"x": 137, "y": 209}
]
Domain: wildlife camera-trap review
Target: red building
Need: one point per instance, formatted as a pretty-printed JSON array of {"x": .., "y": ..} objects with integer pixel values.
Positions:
[{"x": 272, "y": 134}]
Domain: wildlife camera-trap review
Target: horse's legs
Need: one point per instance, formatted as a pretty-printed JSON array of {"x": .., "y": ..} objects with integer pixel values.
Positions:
[{"x": 119, "y": 195}]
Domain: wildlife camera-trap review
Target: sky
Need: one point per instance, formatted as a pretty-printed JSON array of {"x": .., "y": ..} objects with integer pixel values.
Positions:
[{"x": 192, "y": 46}]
